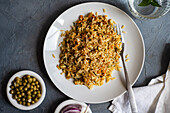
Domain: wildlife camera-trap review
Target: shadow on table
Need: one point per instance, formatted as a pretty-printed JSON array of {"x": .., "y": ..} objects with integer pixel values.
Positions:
[
  {"x": 165, "y": 59},
  {"x": 164, "y": 62}
]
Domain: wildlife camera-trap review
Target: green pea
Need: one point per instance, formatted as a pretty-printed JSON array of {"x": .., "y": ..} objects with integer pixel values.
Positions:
[
  {"x": 25, "y": 81},
  {"x": 12, "y": 91},
  {"x": 24, "y": 84},
  {"x": 28, "y": 104},
  {"x": 28, "y": 85},
  {"x": 33, "y": 96},
  {"x": 36, "y": 99},
  {"x": 33, "y": 79},
  {"x": 19, "y": 96},
  {"x": 20, "y": 88},
  {"x": 28, "y": 97},
  {"x": 15, "y": 97},
  {"x": 17, "y": 78},
  {"x": 32, "y": 87},
  {"x": 17, "y": 81},
  {"x": 39, "y": 92},
  {"x": 23, "y": 94},
  {"x": 18, "y": 92},
  {"x": 24, "y": 103},
  {"x": 25, "y": 89},
  {"x": 17, "y": 85},
  {"x": 12, "y": 87},
  {"x": 32, "y": 83},
  {"x": 32, "y": 102},
  {"x": 29, "y": 92},
  {"x": 20, "y": 83},
  {"x": 30, "y": 80},
  {"x": 23, "y": 99},
  {"x": 38, "y": 86},
  {"x": 18, "y": 99},
  {"x": 35, "y": 93},
  {"x": 36, "y": 82},
  {"x": 35, "y": 88},
  {"x": 20, "y": 102},
  {"x": 17, "y": 89},
  {"x": 39, "y": 95},
  {"x": 28, "y": 76}
]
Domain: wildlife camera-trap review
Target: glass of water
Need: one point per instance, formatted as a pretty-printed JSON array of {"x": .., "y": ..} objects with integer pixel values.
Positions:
[{"x": 148, "y": 12}]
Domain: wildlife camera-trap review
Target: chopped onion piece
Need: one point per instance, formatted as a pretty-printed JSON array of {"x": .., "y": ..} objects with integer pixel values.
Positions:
[{"x": 72, "y": 108}]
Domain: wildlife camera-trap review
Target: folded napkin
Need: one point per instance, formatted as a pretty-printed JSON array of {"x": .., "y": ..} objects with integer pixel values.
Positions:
[{"x": 154, "y": 98}]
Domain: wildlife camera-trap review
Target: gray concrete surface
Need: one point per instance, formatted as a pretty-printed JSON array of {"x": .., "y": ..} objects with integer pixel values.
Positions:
[{"x": 23, "y": 26}]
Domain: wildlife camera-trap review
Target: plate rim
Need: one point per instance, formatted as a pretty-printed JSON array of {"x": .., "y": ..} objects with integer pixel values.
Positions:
[{"x": 101, "y": 3}]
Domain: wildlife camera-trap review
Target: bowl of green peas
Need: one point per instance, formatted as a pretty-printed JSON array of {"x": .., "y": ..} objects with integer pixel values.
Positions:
[{"x": 26, "y": 90}]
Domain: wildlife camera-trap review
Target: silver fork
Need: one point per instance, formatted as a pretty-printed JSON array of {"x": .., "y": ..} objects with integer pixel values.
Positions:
[{"x": 128, "y": 84}]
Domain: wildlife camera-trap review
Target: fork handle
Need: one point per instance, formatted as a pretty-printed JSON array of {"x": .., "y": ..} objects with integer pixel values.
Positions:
[
  {"x": 132, "y": 99},
  {"x": 130, "y": 90}
]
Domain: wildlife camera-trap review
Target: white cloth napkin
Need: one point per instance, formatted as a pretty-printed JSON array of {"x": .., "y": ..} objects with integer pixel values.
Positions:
[{"x": 154, "y": 98}]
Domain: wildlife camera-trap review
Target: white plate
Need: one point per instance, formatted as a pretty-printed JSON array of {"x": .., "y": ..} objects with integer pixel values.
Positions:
[
  {"x": 134, "y": 47},
  {"x": 68, "y": 102},
  {"x": 21, "y": 74}
]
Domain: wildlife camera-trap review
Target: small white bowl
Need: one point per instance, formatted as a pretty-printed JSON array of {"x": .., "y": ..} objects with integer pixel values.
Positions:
[
  {"x": 21, "y": 74},
  {"x": 68, "y": 102}
]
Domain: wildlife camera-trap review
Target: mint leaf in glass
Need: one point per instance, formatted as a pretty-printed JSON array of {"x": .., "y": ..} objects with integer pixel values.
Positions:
[
  {"x": 155, "y": 3},
  {"x": 147, "y": 2}
]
